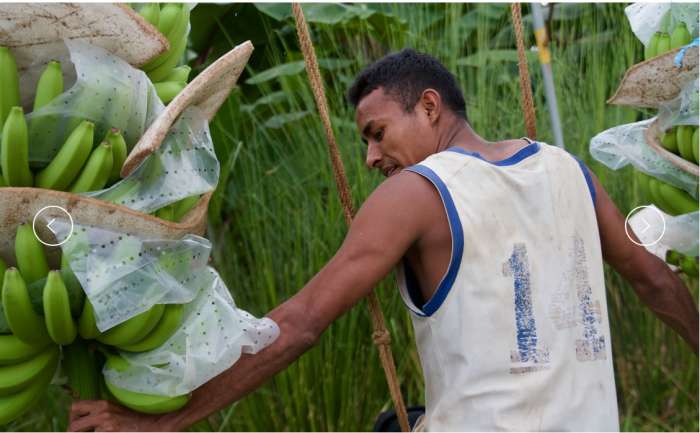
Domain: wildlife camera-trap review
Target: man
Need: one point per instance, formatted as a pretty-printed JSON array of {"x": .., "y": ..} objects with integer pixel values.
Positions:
[{"x": 498, "y": 248}]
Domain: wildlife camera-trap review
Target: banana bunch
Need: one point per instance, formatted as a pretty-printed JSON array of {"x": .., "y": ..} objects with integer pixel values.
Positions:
[
  {"x": 172, "y": 20},
  {"x": 662, "y": 42},
  {"x": 682, "y": 140},
  {"x": 29, "y": 355},
  {"x": 672, "y": 200},
  {"x": 140, "y": 402},
  {"x": 78, "y": 166}
]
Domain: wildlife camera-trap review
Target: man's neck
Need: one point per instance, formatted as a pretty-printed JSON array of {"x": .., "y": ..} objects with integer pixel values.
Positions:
[{"x": 460, "y": 134}]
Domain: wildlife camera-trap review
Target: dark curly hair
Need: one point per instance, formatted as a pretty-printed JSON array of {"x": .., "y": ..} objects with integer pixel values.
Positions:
[{"x": 404, "y": 76}]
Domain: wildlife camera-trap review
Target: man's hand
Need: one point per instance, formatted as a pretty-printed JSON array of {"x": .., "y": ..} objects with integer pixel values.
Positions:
[{"x": 101, "y": 415}]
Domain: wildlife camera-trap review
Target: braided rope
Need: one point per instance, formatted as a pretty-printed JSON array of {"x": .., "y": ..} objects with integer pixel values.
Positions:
[
  {"x": 528, "y": 106},
  {"x": 380, "y": 336}
]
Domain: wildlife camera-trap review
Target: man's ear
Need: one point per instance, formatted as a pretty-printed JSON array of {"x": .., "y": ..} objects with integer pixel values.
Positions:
[{"x": 431, "y": 104}]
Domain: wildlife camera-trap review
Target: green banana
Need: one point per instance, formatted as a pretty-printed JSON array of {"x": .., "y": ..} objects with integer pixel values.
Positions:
[
  {"x": 3, "y": 268},
  {"x": 147, "y": 403},
  {"x": 695, "y": 143},
  {"x": 669, "y": 141},
  {"x": 181, "y": 73},
  {"x": 15, "y": 377},
  {"x": 59, "y": 321},
  {"x": 14, "y": 150},
  {"x": 2, "y": 181},
  {"x": 87, "y": 328},
  {"x": 15, "y": 405},
  {"x": 29, "y": 254},
  {"x": 24, "y": 322},
  {"x": 134, "y": 329},
  {"x": 173, "y": 58},
  {"x": 119, "y": 153},
  {"x": 169, "y": 16},
  {"x": 166, "y": 213},
  {"x": 151, "y": 13},
  {"x": 13, "y": 350},
  {"x": 49, "y": 86},
  {"x": 184, "y": 206},
  {"x": 141, "y": 402},
  {"x": 684, "y": 139},
  {"x": 664, "y": 44},
  {"x": 651, "y": 49},
  {"x": 81, "y": 366},
  {"x": 680, "y": 201},
  {"x": 168, "y": 90},
  {"x": 9, "y": 90},
  {"x": 66, "y": 165},
  {"x": 166, "y": 327},
  {"x": 680, "y": 36},
  {"x": 97, "y": 170}
]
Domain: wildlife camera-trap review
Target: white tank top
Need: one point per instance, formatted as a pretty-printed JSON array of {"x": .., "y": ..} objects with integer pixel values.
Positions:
[{"x": 516, "y": 336}]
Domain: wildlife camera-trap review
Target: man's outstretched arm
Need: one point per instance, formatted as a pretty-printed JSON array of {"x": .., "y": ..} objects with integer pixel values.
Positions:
[
  {"x": 652, "y": 279},
  {"x": 391, "y": 219}
]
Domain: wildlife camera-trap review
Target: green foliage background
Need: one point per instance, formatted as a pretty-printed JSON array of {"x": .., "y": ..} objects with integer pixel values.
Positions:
[{"x": 275, "y": 219}]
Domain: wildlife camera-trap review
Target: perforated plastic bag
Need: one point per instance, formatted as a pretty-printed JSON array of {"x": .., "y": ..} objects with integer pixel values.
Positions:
[
  {"x": 647, "y": 18},
  {"x": 124, "y": 274},
  {"x": 183, "y": 166},
  {"x": 679, "y": 233},
  {"x": 683, "y": 110},
  {"x": 626, "y": 144},
  {"x": 101, "y": 88},
  {"x": 212, "y": 337}
]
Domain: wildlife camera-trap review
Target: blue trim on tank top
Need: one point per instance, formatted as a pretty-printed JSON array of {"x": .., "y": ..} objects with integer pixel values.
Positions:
[
  {"x": 523, "y": 153},
  {"x": 587, "y": 175},
  {"x": 448, "y": 279}
]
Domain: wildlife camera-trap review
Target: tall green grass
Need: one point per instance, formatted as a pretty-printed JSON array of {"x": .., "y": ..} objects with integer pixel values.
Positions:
[{"x": 275, "y": 219}]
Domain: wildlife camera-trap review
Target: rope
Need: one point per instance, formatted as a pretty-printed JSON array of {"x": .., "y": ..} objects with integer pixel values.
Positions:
[
  {"x": 380, "y": 336},
  {"x": 528, "y": 106}
]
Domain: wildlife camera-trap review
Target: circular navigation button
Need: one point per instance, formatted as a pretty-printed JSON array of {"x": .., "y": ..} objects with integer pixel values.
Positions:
[
  {"x": 45, "y": 221},
  {"x": 647, "y": 223}
]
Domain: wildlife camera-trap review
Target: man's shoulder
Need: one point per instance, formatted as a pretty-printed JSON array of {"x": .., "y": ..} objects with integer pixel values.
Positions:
[{"x": 407, "y": 191}]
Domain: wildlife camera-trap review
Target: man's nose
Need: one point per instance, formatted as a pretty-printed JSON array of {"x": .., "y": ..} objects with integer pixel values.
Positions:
[{"x": 373, "y": 155}]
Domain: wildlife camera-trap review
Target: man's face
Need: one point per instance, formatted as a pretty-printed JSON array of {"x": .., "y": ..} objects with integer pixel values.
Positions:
[{"x": 395, "y": 139}]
